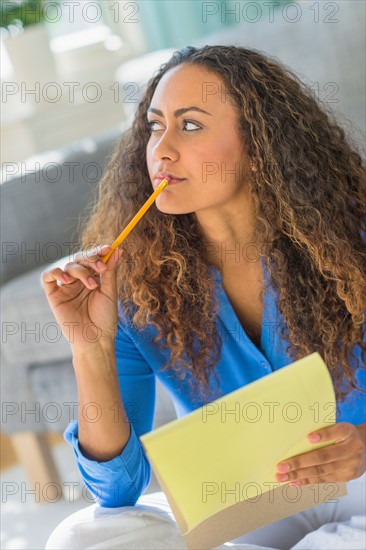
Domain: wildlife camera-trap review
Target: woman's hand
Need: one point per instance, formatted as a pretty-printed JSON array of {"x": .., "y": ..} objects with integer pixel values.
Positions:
[
  {"x": 85, "y": 308},
  {"x": 342, "y": 461}
]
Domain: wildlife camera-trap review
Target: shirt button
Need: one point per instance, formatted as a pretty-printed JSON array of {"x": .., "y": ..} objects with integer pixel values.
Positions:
[{"x": 266, "y": 366}]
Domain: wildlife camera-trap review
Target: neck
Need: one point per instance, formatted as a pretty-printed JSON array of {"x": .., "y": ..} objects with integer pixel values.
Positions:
[{"x": 229, "y": 235}]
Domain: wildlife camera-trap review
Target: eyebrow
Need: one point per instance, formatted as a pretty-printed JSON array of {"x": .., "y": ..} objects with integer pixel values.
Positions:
[{"x": 179, "y": 112}]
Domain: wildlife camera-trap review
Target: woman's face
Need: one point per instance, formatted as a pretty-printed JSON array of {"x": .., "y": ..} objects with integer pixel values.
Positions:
[{"x": 204, "y": 148}]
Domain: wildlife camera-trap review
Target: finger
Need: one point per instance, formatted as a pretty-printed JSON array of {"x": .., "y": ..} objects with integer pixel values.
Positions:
[
  {"x": 324, "y": 455},
  {"x": 315, "y": 472},
  {"x": 81, "y": 273},
  {"x": 50, "y": 279},
  {"x": 114, "y": 258},
  {"x": 95, "y": 260},
  {"x": 108, "y": 278},
  {"x": 338, "y": 432},
  {"x": 335, "y": 477},
  {"x": 95, "y": 264},
  {"x": 92, "y": 254},
  {"x": 92, "y": 258},
  {"x": 334, "y": 471},
  {"x": 332, "y": 435}
]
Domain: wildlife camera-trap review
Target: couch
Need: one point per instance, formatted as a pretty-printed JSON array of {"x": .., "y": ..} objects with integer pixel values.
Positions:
[{"x": 40, "y": 213}]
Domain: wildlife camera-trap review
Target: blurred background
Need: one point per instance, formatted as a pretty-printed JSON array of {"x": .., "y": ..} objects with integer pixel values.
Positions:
[{"x": 72, "y": 74}]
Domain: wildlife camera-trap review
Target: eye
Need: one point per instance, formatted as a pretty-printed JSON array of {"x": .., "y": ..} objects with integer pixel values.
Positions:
[
  {"x": 152, "y": 122},
  {"x": 194, "y": 124}
]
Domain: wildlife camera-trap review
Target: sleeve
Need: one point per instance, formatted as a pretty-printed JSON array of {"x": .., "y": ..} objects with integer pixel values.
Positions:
[
  {"x": 121, "y": 480},
  {"x": 353, "y": 409}
]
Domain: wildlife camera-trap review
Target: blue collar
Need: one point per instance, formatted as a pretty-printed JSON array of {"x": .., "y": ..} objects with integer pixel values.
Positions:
[{"x": 228, "y": 317}]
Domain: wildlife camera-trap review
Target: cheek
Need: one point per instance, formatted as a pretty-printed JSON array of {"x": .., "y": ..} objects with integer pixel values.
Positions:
[
  {"x": 148, "y": 150},
  {"x": 221, "y": 150},
  {"x": 149, "y": 156},
  {"x": 215, "y": 162}
]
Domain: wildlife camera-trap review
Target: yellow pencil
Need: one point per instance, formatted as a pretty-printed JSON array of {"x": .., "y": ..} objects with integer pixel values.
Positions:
[{"x": 135, "y": 219}]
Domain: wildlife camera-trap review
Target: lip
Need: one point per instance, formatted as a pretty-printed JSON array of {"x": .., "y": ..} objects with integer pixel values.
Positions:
[
  {"x": 172, "y": 181},
  {"x": 162, "y": 175}
]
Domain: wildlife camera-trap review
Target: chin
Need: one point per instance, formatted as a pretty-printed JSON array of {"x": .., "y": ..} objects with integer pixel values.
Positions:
[
  {"x": 176, "y": 211},
  {"x": 172, "y": 209}
]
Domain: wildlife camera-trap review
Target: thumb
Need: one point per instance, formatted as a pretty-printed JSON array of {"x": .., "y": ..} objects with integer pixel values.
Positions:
[{"x": 109, "y": 276}]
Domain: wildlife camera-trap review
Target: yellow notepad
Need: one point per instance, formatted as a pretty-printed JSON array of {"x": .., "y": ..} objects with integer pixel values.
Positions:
[{"x": 217, "y": 465}]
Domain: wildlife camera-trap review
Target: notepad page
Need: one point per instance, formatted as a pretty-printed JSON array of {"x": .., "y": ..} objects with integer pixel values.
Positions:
[{"x": 235, "y": 442}]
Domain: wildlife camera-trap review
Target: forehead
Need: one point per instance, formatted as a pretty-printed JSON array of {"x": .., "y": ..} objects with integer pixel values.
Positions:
[{"x": 191, "y": 85}]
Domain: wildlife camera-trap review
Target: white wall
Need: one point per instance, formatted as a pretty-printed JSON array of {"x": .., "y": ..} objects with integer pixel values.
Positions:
[
  {"x": 323, "y": 42},
  {"x": 330, "y": 52}
]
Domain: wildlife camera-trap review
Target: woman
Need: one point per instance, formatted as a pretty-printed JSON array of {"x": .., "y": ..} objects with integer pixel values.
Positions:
[{"x": 254, "y": 259}]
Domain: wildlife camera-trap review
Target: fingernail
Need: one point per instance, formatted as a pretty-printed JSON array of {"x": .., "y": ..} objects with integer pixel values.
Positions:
[
  {"x": 101, "y": 265},
  {"x": 313, "y": 438},
  {"x": 283, "y": 467}
]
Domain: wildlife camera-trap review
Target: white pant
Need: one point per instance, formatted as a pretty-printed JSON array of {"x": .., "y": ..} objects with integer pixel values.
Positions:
[{"x": 150, "y": 524}]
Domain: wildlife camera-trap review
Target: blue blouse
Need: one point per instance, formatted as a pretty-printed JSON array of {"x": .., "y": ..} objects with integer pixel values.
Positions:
[{"x": 121, "y": 480}]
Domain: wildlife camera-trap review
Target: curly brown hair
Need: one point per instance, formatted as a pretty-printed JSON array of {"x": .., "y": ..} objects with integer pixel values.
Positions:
[{"x": 309, "y": 195}]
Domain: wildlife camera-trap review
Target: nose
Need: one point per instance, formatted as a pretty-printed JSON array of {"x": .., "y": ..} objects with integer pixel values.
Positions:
[{"x": 165, "y": 147}]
